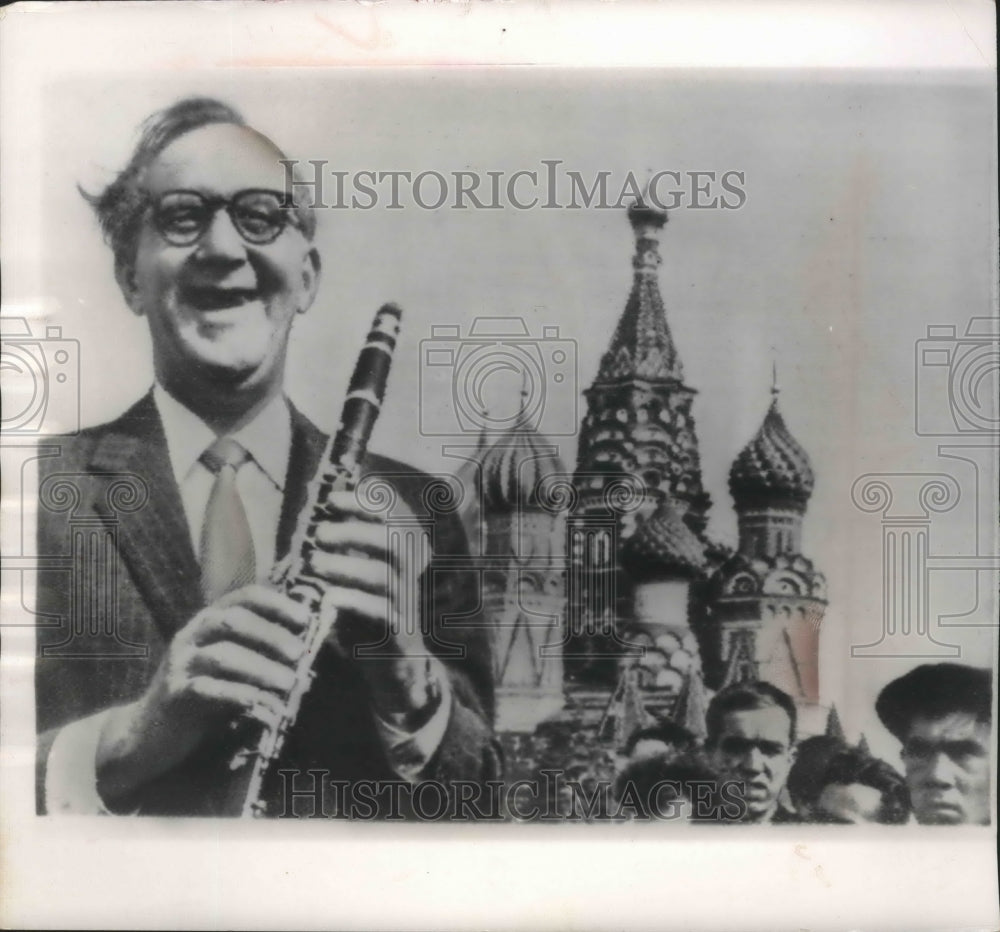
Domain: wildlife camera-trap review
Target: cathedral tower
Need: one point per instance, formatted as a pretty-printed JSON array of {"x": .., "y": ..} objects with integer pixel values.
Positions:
[
  {"x": 767, "y": 599},
  {"x": 522, "y": 556},
  {"x": 638, "y": 435}
]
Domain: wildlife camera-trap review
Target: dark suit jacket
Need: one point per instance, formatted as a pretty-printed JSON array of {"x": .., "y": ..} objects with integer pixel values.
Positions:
[{"x": 109, "y": 505}]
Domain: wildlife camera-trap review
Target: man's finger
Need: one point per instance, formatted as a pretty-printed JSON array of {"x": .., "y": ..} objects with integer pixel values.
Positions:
[
  {"x": 235, "y": 662},
  {"x": 354, "y": 535},
  {"x": 240, "y": 625},
  {"x": 270, "y": 603},
  {"x": 259, "y": 703},
  {"x": 346, "y": 505},
  {"x": 351, "y": 572},
  {"x": 365, "y": 606}
]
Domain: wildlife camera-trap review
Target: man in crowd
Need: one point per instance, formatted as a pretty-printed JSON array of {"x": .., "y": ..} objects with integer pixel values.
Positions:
[
  {"x": 750, "y": 743},
  {"x": 677, "y": 788},
  {"x": 665, "y": 738},
  {"x": 806, "y": 776},
  {"x": 207, "y": 250},
  {"x": 942, "y": 715},
  {"x": 850, "y": 788}
]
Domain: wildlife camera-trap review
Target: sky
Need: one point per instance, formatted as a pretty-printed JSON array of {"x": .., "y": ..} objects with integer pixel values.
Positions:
[{"x": 869, "y": 216}]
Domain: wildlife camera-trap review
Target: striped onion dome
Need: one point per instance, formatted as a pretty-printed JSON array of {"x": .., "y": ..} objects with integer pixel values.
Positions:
[
  {"x": 514, "y": 466},
  {"x": 663, "y": 547},
  {"x": 773, "y": 468}
]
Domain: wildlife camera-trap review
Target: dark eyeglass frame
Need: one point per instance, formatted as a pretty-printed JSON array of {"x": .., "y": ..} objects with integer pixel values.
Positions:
[{"x": 211, "y": 204}]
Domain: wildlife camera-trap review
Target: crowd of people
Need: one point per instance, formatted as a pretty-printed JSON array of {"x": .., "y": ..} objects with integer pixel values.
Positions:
[{"x": 752, "y": 769}]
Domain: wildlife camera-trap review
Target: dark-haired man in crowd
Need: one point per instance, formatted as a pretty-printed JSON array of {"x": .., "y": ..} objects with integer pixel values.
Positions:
[
  {"x": 673, "y": 788},
  {"x": 851, "y": 788},
  {"x": 805, "y": 778},
  {"x": 209, "y": 252},
  {"x": 751, "y": 743},
  {"x": 942, "y": 714}
]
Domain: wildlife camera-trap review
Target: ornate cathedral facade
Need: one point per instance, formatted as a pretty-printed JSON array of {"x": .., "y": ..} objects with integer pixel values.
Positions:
[{"x": 609, "y": 604}]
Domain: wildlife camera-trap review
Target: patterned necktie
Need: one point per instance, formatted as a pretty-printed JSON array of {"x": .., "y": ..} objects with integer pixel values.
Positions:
[{"x": 227, "y": 555}]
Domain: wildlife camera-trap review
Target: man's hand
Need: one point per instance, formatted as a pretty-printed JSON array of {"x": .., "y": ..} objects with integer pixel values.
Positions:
[
  {"x": 239, "y": 655},
  {"x": 236, "y": 657},
  {"x": 375, "y": 593}
]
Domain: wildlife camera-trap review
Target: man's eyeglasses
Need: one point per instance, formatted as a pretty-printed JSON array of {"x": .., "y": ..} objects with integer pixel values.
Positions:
[{"x": 259, "y": 215}]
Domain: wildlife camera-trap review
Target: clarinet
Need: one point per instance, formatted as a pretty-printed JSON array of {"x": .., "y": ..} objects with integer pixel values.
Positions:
[{"x": 339, "y": 470}]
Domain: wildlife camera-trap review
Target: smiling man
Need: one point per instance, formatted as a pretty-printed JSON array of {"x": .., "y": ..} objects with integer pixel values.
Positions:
[
  {"x": 750, "y": 740},
  {"x": 942, "y": 714},
  {"x": 148, "y": 666}
]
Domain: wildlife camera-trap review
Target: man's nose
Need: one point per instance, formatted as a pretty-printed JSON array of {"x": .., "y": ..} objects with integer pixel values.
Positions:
[
  {"x": 940, "y": 771},
  {"x": 221, "y": 240},
  {"x": 753, "y": 760}
]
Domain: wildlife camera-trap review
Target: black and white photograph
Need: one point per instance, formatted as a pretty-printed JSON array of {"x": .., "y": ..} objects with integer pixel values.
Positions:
[{"x": 402, "y": 446}]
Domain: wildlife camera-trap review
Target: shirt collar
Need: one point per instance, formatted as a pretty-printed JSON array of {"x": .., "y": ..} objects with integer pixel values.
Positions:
[{"x": 267, "y": 438}]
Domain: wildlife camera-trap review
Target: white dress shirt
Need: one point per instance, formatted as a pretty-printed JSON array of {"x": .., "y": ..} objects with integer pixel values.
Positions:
[
  {"x": 71, "y": 777},
  {"x": 260, "y": 480}
]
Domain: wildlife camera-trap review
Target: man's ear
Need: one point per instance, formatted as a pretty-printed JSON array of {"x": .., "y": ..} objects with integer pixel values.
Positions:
[
  {"x": 125, "y": 276},
  {"x": 311, "y": 268}
]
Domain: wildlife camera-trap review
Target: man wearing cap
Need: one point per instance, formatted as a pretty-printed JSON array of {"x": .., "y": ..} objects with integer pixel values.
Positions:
[{"x": 942, "y": 714}]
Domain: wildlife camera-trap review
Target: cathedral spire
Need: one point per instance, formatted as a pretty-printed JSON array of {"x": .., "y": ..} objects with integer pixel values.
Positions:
[
  {"x": 643, "y": 347},
  {"x": 692, "y": 705},
  {"x": 833, "y": 727}
]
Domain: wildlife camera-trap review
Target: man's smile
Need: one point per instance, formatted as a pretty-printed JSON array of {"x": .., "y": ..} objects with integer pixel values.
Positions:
[{"x": 216, "y": 297}]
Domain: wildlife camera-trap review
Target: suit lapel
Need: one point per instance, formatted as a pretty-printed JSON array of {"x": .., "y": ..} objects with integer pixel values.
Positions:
[
  {"x": 155, "y": 541},
  {"x": 308, "y": 445}
]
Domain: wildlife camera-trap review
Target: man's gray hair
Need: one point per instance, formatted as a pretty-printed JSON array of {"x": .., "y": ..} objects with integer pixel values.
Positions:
[{"x": 119, "y": 207}]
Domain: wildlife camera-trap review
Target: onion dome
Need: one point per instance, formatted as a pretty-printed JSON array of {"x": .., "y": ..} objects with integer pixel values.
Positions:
[
  {"x": 514, "y": 467},
  {"x": 773, "y": 468},
  {"x": 663, "y": 547}
]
